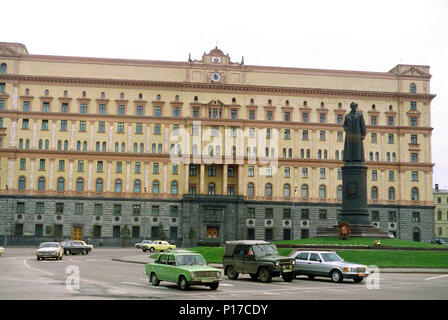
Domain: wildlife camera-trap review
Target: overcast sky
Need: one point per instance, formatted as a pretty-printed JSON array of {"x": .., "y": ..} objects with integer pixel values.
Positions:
[{"x": 343, "y": 35}]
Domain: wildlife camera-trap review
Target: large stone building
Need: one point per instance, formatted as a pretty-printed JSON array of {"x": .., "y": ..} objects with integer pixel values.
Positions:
[
  {"x": 205, "y": 149},
  {"x": 441, "y": 212}
]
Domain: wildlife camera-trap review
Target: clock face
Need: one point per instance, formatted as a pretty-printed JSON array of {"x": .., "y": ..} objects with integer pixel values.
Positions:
[
  {"x": 216, "y": 59},
  {"x": 216, "y": 76}
]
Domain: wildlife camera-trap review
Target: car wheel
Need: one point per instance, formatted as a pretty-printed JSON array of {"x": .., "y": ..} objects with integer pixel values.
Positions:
[
  {"x": 154, "y": 281},
  {"x": 38, "y": 259},
  {"x": 182, "y": 283},
  {"x": 336, "y": 276},
  {"x": 231, "y": 273},
  {"x": 311, "y": 277},
  {"x": 214, "y": 286},
  {"x": 151, "y": 249},
  {"x": 144, "y": 250},
  {"x": 83, "y": 252},
  {"x": 358, "y": 279},
  {"x": 68, "y": 252},
  {"x": 254, "y": 276},
  {"x": 287, "y": 277},
  {"x": 265, "y": 275}
]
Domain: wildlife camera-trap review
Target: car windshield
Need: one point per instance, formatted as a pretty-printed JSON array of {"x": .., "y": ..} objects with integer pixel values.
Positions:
[
  {"x": 80, "y": 243},
  {"x": 265, "y": 250},
  {"x": 189, "y": 260},
  {"x": 48, "y": 245},
  {"x": 331, "y": 257}
]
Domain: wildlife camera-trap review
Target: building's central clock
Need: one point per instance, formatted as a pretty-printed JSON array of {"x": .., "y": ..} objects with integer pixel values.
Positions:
[{"x": 216, "y": 76}]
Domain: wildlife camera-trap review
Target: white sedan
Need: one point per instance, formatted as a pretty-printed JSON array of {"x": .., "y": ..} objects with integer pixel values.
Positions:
[
  {"x": 1, "y": 250},
  {"x": 50, "y": 250}
]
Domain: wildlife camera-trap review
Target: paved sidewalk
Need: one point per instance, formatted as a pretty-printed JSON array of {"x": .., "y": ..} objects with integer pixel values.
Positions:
[{"x": 145, "y": 258}]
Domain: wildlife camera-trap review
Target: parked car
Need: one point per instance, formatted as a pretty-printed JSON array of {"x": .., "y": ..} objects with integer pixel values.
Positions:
[
  {"x": 138, "y": 245},
  {"x": 75, "y": 247},
  {"x": 2, "y": 250},
  {"x": 184, "y": 268},
  {"x": 158, "y": 245},
  {"x": 88, "y": 246},
  {"x": 327, "y": 264},
  {"x": 260, "y": 259},
  {"x": 439, "y": 241},
  {"x": 50, "y": 250}
]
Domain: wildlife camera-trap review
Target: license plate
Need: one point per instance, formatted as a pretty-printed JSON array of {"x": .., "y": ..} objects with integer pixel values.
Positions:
[
  {"x": 361, "y": 274},
  {"x": 207, "y": 281},
  {"x": 287, "y": 270}
]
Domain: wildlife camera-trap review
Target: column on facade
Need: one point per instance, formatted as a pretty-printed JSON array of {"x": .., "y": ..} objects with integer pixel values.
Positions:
[
  {"x": 186, "y": 177},
  {"x": 128, "y": 176},
  {"x": 202, "y": 177},
  {"x": 72, "y": 135},
  {"x": 70, "y": 175},
  {"x": 51, "y": 173},
  {"x": 224, "y": 179},
  {"x": 32, "y": 177},
  {"x": 13, "y": 132},
  {"x": 34, "y": 138},
  {"x": 109, "y": 176},
  {"x": 314, "y": 186},
  {"x": 148, "y": 187},
  {"x": 111, "y": 135},
  {"x": 165, "y": 177},
  {"x": 130, "y": 137},
  {"x": 89, "y": 178}
]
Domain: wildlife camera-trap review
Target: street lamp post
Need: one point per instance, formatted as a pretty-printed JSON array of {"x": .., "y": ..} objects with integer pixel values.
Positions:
[
  {"x": 6, "y": 219},
  {"x": 144, "y": 216}
]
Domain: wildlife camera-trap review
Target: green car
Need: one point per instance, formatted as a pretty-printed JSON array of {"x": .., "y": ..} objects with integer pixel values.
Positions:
[{"x": 183, "y": 268}]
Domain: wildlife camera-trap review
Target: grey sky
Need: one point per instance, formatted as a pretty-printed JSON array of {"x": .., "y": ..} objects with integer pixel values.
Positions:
[{"x": 344, "y": 35}]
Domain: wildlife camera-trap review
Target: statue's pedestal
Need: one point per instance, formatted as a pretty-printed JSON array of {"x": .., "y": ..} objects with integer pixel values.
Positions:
[{"x": 354, "y": 194}]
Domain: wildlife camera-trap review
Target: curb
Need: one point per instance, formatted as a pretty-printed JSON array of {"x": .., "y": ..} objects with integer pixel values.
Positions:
[{"x": 384, "y": 270}]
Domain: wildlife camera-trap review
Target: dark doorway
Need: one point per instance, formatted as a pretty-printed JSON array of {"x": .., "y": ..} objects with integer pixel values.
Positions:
[{"x": 305, "y": 234}]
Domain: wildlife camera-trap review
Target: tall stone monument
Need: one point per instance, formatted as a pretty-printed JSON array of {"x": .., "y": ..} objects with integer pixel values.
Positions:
[
  {"x": 354, "y": 172},
  {"x": 354, "y": 181}
]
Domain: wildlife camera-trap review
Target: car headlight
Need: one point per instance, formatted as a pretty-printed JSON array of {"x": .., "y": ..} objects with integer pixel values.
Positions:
[
  {"x": 193, "y": 275},
  {"x": 293, "y": 262},
  {"x": 218, "y": 274},
  {"x": 277, "y": 263}
]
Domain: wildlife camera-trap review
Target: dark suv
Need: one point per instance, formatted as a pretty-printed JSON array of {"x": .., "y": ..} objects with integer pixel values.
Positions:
[{"x": 260, "y": 259}]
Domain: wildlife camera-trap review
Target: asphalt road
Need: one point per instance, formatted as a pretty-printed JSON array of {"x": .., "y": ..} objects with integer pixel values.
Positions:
[{"x": 23, "y": 277}]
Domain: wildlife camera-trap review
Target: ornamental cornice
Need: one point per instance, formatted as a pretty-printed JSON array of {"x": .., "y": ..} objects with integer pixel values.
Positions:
[{"x": 220, "y": 87}]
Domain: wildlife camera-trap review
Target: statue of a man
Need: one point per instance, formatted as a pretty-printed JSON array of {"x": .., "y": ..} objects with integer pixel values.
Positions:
[{"x": 355, "y": 131}]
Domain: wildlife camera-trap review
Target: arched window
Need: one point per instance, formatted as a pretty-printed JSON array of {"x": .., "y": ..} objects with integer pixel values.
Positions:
[
  {"x": 371, "y": 156},
  {"x": 304, "y": 191},
  {"x": 414, "y": 194},
  {"x": 41, "y": 184},
  {"x": 97, "y": 146},
  {"x": 174, "y": 187},
  {"x": 339, "y": 193},
  {"x": 123, "y": 147},
  {"x": 40, "y": 144},
  {"x": 118, "y": 185},
  {"x": 266, "y": 152},
  {"x": 61, "y": 184},
  {"x": 374, "y": 193},
  {"x": 272, "y": 152},
  {"x": 412, "y": 88},
  {"x": 27, "y": 143},
  {"x": 394, "y": 157},
  {"x": 233, "y": 151},
  {"x": 137, "y": 186},
  {"x": 99, "y": 185},
  {"x": 286, "y": 190},
  {"x": 377, "y": 156},
  {"x": 211, "y": 188},
  {"x": 179, "y": 151},
  {"x": 117, "y": 146},
  {"x": 47, "y": 144},
  {"x": 290, "y": 152},
  {"x": 210, "y": 150},
  {"x": 155, "y": 187},
  {"x": 84, "y": 146},
  {"x": 391, "y": 193},
  {"x": 325, "y": 154},
  {"x": 250, "y": 189},
  {"x": 319, "y": 154},
  {"x": 142, "y": 148},
  {"x": 308, "y": 153},
  {"x": 268, "y": 190},
  {"x": 65, "y": 144},
  {"x": 284, "y": 152},
  {"x": 195, "y": 149},
  {"x": 336, "y": 154},
  {"x": 159, "y": 148},
  {"x": 416, "y": 234},
  {"x": 388, "y": 156},
  {"x": 59, "y": 144},
  {"x": 153, "y": 148},
  {"x": 80, "y": 184},
  {"x": 302, "y": 153},
  {"x": 3, "y": 68},
  {"x": 104, "y": 147},
  {"x": 135, "y": 147},
  {"x": 21, "y": 183},
  {"x": 27, "y": 91},
  {"x": 21, "y": 143},
  {"x": 322, "y": 192},
  {"x": 122, "y": 95}
]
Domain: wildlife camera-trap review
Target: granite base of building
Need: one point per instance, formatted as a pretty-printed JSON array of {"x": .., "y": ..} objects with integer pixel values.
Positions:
[{"x": 360, "y": 231}]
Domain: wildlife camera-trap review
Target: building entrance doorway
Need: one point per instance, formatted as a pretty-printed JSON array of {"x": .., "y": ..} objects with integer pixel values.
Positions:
[
  {"x": 212, "y": 232},
  {"x": 77, "y": 233}
]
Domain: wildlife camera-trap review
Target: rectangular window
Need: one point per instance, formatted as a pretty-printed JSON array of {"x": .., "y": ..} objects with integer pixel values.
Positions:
[
  {"x": 116, "y": 232},
  {"x": 391, "y": 176},
  {"x": 322, "y": 214},
  {"x": 304, "y": 172},
  {"x": 59, "y": 208},
  {"x": 269, "y": 213},
  {"x": 46, "y": 107},
  {"x": 96, "y": 231},
  {"x": 414, "y": 157},
  {"x": 98, "y": 208},
  {"x": 375, "y": 216},
  {"x": 322, "y": 173},
  {"x": 414, "y": 176},
  {"x": 155, "y": 210},
  {"x": 373, "y": 120},
  {"x": 305, "y": 214},
  {"x": 250, "y": 213},
  {"x": 339, "y": 174},
  {"x": 155, "y": 167},
  {"x": 120, "y": 127},
  {"x": 176, "y": 112},
  {"x": 193, "y": 171},
  {"x": 175, "y": 169},
  {"x": 38, "y": 230},
  {"x": 22, "y": 164},
  {"x": 117, "y": 209},
  {"x": 20, "y": 208},
  {"x": 233, "y": 114},
  {"x": 99, "y": 166},
  {"x": 61, "y": 165},
  {"x": 390, "y": 138},
  {"x": 212, "y": 171},
  {"x": 139, "y": 111},
  {"x": 26, "y": 105},
  {"x": 250, "y": 171},
  {"x": 339, "y": 119},
  {"x": 269, "y": 115},
  {"x": 138, "y": 128},
  {"x": 102, "y": 109},
  {"x": 44, "y": 124},
  {"x": 137, "y": 167},
  {"x": 174, "y": 210},
  {"x": 287, "y": 116},
  {"x": 25, "y": 124},
  {"x": 101, "y": 126},
  {"x": 373, "y": 137},
  {"x": 82, "y": 126},
  {"x": 79, "y": 208},
  {"x": 287, "y": 135},
  {"x": 413, "y": 105},
  {"x": 415, "y": 216},
  {"x": 392, "y": 216},
  {"x": 286, "y": 213},
  {"x": 195, "y": 112},
  {"x": 175, "y": 129},
  {"x": 83, "y": 108},
  {"x": 322, "y": 136},
  {"x": 390, "y": 121},
  {"x": 413, "y": 139},
  {"x": 305, "y": 117},
  {"x": 40, "y": 207},
  {"x": 136, "y": 208},
  {"x": 251, "y": 115},
  {"x": 157, "y": 128},
  {"x": 63, "y": 125},
  {"x": 80, "y": 165},
  {"x": 374, "y": 175},
  {"x": 230, "y": 171},
  {"x": 157, "y": 111},
  {"x": 121, "y": 110},
  {"x": 340, "y": 136},
  {"x": 173, "y": 232},
  {"x": 42, "y": 164},
  {"x": 135, "y": 232},
  {"x": 287, "y": 172},
  {"x": 322, "y": 117},
  {"x": 118, "y": 167},
  {"x": 233, "y": 131},
  {"x": 413, "y": 121},
  {"x": 305, "y": 135}
]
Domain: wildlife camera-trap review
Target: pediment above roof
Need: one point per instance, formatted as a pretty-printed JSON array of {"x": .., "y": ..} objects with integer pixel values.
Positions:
[
  {"x": 410, "y": 70},
  {"x": 216, "y": 57},
  {"x": 12, "y": 49}
]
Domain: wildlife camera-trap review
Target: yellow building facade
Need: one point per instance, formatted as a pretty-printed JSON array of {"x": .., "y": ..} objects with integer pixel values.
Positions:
[
  {"x": 441, "y": 213},
  {"x": 205, "y": 148}
]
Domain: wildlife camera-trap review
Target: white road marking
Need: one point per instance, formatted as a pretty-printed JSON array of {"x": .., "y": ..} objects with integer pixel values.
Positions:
[
  {"x": 26, "y": 264},
  {"x": 432, "y": 278},
  {"x": 226, "y": 285}
]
